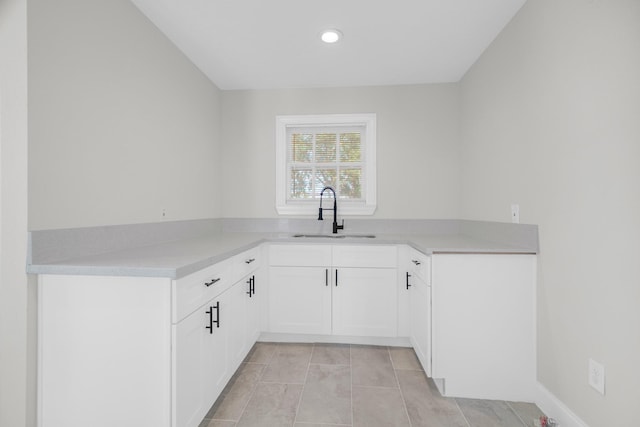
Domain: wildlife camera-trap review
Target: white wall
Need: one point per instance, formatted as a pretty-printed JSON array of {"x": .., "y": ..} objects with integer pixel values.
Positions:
[
  {"x": 417, "y": 150},
  {"x": 551, "y": 120},
  {"x": 121, "y": 124},
  {"x": 17, "y": 391}
]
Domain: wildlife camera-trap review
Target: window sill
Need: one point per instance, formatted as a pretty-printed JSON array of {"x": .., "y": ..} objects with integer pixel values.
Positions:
[{"x": 313, "y": 210}]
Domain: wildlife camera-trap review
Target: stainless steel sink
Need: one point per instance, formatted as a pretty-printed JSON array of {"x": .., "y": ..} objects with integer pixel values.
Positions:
[{"x": 336, "y": 236}]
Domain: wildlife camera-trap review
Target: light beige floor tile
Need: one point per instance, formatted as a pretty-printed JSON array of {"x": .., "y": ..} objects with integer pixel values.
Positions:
[
  {"x": 320, "y": 425},
  {"x": 272, "y": 405},
  {"x": 404, "y": 358},
  {"x": 425, "y": 406},
  {"x": 326, "y": 398},
  {"x": 527, "y": 412},
  {"x": 488, "y": 413},
  {"x": 372, "y": 367},
  {"x": 232, "y": 401},
  {"x": 331, "y": 354},
  {"x": 378, "y": 406},
  {"x": 220, "y": 423},
  {"x": 262, "y": 352},
  {"x": 289, "y": 365},
  {"x": 327, "y": 395}
]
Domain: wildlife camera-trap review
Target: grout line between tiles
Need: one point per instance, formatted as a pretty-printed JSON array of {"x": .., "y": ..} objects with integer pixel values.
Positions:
[
  {"x": 461, "y": 413},
  {"x": 331, "y": 364},
  {"x": 384, "y": 387},
  {"x": 324, "y": 424},
  {"x": 516, "y": 413},
  {"x": 251, "y": 394},
  {"x": 404, "y": 402},
  {"x": 282, "y": 383},
  {"x": 304, "y": 383}
]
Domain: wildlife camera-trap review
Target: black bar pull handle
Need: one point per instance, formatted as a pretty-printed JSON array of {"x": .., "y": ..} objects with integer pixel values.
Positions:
[
  {"x": 250, "y": 260},
  {"x": 416, "y": 262},
  {"x": 252, "y": 286},
  {"x": 326, "y": 277},
  {"x": 408, "y": 275},
  {"x": 207, "y": 284},
  {"x": 336, "y": 277},
  {"x": 217, "y": 321},
  {"x": 210, "y": 326}
]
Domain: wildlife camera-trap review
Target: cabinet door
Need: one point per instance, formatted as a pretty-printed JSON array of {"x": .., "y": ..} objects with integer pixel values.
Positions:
[
  {"x": 217, "y": 368},
  {"x": 420, "y": 309},
  {"x": 300, "y": 300},
  {"x": 254, "y": 300},
  {"x": 365, "y": 302},
  {"x": 190, "y": 363},
  {"x": 234, "y": 316}
]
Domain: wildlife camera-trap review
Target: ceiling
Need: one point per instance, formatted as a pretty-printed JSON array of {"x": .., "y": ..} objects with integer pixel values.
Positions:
[{"x": 275, "y": 44}]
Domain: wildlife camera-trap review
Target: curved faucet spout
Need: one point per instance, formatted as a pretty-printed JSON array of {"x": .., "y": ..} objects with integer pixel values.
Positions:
[{"x": 336, "y": 227}]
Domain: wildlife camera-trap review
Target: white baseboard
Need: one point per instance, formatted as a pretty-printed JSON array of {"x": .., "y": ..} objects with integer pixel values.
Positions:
[
  {"x": 335, "y": 339},
  {"x": 555, "y": 408}
]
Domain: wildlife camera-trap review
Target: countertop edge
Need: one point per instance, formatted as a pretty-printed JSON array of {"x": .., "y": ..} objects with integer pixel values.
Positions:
[{"x": 177, "y": 272}]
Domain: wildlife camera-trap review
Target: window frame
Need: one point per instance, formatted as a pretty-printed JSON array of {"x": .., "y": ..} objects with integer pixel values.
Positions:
[{"x": 310, "y": 207}]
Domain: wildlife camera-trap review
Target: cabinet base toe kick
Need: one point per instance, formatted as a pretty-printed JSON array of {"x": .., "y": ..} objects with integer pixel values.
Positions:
[{"x": 333, "y": 339}]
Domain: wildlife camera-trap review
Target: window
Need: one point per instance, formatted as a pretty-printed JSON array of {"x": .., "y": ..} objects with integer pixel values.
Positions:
[{"x": 313, "y": 152}]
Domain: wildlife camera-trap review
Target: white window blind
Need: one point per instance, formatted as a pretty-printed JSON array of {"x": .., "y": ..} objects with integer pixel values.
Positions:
[
  {"x": 319, "y": 157},
  {"x": 314, "y": 152}
]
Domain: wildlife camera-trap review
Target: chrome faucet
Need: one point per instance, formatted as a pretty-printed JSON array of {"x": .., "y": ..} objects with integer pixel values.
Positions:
[{"x": 336, "y": 227}]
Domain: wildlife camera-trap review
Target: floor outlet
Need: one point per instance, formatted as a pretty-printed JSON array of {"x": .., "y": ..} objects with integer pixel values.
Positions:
[
  {"x": 515, "y": 214},
  {"x": 596, "y": 376}
]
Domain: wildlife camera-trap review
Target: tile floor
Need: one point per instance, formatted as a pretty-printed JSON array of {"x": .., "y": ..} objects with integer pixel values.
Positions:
[{"x": 315, "y": 385}]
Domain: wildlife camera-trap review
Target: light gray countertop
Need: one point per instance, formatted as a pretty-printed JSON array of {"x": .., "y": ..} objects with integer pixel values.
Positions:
[{"x": 178, "y": 258}]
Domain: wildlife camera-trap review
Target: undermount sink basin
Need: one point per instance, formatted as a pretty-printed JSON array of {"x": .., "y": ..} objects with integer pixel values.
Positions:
[{"x": 336, "y": 236}]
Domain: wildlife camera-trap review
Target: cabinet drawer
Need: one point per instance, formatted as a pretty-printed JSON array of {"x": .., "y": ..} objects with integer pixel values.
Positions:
[
  {"x": 420, "y": 265},
  {"x": 365, "y": 256},
  {"x": 190, "y": 292},
  {"x": 247, "y": 262},
  {"x": 300, "y": 255}
]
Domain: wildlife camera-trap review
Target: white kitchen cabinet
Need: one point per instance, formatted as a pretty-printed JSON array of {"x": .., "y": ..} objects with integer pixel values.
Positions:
[
  {"x": 365, "y": 302},
  {"x": 420, "y": 312},
  {"x": 236, "y": 319},
  {"x": 218, "y": 365},
  {"x": 299, "y": 289},
  {"x": 299, "y": 300},
  {"x": 300, "y": 255},
  {"x": 339, "y": 290},
  {"x": 141, "y": 351},
  {"x": 365, "y": 290},
  {"x": 201, "y": 361},
  {"x": 249, "y": 266},
  {"x": 137, "y": 350},
  {"x": 418, "y": 286},
  {"x": 209, "y": 346},
  {"x": 255, "y": 290},
  {"x": 484, "y": 325}
]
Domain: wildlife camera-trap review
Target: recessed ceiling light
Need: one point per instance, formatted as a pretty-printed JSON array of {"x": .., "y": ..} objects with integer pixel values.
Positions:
[{"x": 331, "y": 36}]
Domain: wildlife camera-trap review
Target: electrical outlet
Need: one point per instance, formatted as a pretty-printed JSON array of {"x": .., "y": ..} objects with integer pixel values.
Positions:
[
  {"x": 596, "y": 376},
  {"x": 515, "y": 213}
]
